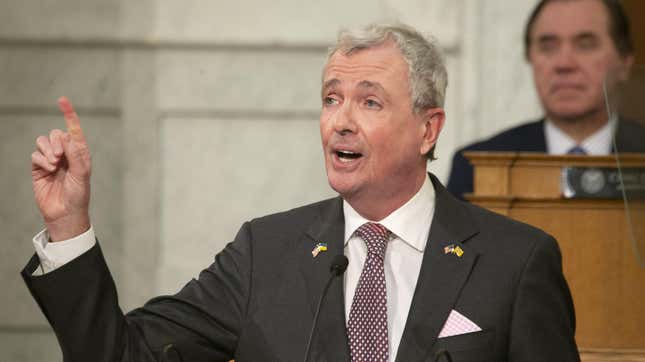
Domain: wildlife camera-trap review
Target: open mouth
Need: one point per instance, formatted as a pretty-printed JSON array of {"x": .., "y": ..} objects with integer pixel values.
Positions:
[{"x": 347, "y": 156}]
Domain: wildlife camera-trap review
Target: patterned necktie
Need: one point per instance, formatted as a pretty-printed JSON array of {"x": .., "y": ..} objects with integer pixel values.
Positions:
[{"x": 367, "y": 326}]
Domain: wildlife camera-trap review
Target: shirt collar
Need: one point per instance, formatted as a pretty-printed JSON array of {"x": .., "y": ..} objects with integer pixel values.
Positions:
[
  {"x": 410, "y": 223},
  {"x": 598, "y": 144}
]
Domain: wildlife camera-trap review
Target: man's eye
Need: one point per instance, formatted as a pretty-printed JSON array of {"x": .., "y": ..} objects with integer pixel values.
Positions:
[
  {"x": 548, "y": 47},
  {"x": 370, "y": 103},
  {"x": 330, "y": 101},
  {"x": 587, "y": 43}
]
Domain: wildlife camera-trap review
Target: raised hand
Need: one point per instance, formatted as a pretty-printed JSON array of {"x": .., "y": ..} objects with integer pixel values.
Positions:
[{"x": 60, "y": 172}]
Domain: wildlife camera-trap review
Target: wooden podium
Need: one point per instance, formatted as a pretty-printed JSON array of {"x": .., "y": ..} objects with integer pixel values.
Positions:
[{"x": 599, "y": 257}]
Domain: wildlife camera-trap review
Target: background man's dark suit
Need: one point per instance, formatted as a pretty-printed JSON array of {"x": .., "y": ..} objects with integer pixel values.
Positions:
[
  {"x": 529, "y": 137},
  {"x": 256, "y": 301}
]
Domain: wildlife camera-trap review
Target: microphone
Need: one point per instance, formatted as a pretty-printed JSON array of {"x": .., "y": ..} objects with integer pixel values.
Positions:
[
  {"x": 442, "y": 353},
  {"x": 338, "y": 265},
  {"x": 337, "y": 268}
]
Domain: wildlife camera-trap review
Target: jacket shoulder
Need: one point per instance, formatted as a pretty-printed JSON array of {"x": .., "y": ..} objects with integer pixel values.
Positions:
[
  {"x": 630, "y": 136},
  {"x": 525, "y": 137},
  {"x": 297, "y": 218},
  {"x": 507, "y": 233}
]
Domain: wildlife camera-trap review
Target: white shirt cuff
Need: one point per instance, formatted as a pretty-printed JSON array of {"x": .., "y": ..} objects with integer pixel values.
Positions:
[{"x": 54, "y": 255}]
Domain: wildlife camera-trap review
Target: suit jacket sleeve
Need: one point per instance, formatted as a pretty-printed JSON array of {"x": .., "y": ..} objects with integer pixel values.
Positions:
[
  {"x": 203, "y": 320},
  {"x": 543, "y": 319}
]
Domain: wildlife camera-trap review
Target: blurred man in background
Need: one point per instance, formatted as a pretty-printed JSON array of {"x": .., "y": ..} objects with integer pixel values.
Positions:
[{"x": 573, "y": 46}]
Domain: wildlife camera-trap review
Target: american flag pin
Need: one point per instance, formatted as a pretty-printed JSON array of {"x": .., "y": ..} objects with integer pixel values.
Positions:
[
  {"x": 449, "y": 249},
  {"x": 452, "y": 249},
  {"x": 320, "y": 247}
]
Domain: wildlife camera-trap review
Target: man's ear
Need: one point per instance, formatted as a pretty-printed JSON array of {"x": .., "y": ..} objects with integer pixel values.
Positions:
[{"x": 433, "y": 120}]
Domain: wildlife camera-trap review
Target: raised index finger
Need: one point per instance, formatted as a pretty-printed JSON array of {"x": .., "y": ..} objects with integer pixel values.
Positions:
[{"x": 71, "y": 119}]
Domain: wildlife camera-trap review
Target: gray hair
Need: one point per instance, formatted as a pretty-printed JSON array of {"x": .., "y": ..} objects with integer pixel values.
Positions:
[{"x": 428, "y": 77}]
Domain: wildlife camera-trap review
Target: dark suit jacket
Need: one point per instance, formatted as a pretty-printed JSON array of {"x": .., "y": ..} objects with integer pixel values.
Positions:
[
  {"x": 529, "y": 137},
  {"x": 256, "y": 301}
]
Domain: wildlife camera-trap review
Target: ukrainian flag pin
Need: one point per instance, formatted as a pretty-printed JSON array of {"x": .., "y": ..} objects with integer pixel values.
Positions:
[
  {"x": 459, "y": 251},
  {"x": 320, "y": 247}
]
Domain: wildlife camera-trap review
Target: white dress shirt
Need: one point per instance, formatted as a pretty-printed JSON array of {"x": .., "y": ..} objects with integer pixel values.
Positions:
[
  {"x": 54, "y": 255},
  {"x": 410, "y": 227},
  {"x": 598, "y": 144}
]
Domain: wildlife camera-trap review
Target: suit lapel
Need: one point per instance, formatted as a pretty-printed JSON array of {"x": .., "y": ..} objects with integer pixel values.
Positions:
[
  {"x": 441, "y": 278},
  {"x": 531, "y": 138},
  {"x": 629, "y": 137},
  {"x": 330, "y": 338},
  {"x": 540, "y": 138}
]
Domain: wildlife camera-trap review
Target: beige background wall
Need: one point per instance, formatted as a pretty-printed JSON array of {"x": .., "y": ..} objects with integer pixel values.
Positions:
[{"x": 202, "y": 114}]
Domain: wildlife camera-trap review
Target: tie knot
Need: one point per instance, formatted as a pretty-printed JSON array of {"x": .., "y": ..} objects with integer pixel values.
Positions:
[
  {"x": 577, "y": 150},
  {"x": 375, "y": 237}
]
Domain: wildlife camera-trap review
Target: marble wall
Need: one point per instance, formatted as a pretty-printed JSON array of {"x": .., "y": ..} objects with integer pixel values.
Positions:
[{"x": 202, "y": 114}]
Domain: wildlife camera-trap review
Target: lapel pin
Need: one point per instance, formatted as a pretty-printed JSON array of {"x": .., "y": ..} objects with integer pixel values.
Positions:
[
  {"x": 452, "y": 249},
  {"x": 320, "y": 247}
]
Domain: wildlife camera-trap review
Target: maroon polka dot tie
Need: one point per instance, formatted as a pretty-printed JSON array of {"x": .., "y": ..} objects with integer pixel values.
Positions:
[{"x": 367, "y": 326}]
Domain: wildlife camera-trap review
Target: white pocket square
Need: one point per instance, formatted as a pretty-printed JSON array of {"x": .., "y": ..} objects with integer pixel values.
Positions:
[{"x": 457, "y": 324}]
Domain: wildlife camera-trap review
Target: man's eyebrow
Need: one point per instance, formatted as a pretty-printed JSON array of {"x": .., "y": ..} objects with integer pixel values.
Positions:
[
  {"x": 546, "y": 37},
  {"x": 330, "y": 84},
  {"x": 366, "y": 84},
  {"x": 586, "y": 35}
]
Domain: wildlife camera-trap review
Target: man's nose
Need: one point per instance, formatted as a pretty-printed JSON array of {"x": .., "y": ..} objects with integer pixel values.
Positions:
[
  {"x": 566, "y": 60},
  {"x": 344, "y": 121}
]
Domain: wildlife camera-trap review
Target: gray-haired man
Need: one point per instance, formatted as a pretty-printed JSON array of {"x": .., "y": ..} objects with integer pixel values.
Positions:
[{"x": 427, "y": 273}]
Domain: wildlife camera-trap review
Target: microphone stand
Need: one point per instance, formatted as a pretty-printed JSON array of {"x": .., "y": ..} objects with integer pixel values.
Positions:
[
  {"x": 166, "y": 353},
  {"x": 337, "y": 268}
]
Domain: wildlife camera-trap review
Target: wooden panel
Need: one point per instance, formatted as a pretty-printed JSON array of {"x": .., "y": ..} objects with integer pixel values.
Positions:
[
  {"x": 533, "y": 175},
  {"x": 491, "y": 180},
  {"x": 612, "y": 355},
  {"x": 535, "y": 182},
  {"x": 603, "y": 273},
  {"x": 599, "y": 263},
  {"x": 491, "y": 172}
]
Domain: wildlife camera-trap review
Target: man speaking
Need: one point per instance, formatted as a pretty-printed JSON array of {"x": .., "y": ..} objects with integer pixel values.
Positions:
[{"x": 428, "y": 275}]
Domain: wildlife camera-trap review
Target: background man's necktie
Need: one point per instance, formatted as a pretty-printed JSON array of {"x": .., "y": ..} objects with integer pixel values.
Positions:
[
  {"x": 367, "y": 326},
  {"x": 577, "y": 150}
]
